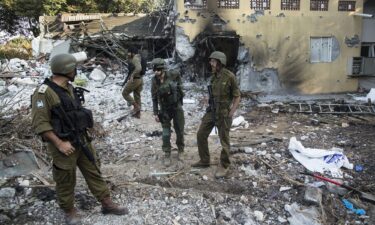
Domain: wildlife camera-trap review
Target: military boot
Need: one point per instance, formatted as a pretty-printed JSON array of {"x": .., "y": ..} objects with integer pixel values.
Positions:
[
  {"x": 138, "y": 114},
  {"x": 136, "y": 109},
  {"x": 109, "y": 207},
  {"x": 221, "y": 172},
  {"x": 167, "y": 159},
  {"x": 71, "y": 217},
  {"x": 201, "y": 164}
]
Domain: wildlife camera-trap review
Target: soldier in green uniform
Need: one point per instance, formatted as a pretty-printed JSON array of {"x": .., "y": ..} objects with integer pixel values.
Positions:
[
  {"x": 166, "y": 91},
  {"x": 135, "y": 82},
  {"x": 226, "y": 98},
  {"x": 59, "y": 117}
]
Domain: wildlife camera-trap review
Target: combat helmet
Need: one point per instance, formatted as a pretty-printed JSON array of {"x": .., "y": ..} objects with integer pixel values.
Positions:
[
  {"x": 158, "y": 63},
  {"x": 219, "y": 56},
  {"x": 63, "y": 64}
]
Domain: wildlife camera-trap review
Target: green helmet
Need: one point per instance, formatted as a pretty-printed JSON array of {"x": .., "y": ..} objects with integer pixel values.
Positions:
[
  {"x": 158, "y": 63},
  {"x": 63, "y": 64},
  {"x": 219, "y": 56}
]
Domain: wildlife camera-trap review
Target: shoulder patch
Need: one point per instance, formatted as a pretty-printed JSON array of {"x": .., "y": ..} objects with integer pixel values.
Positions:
[{"x": 42, "y": 89}]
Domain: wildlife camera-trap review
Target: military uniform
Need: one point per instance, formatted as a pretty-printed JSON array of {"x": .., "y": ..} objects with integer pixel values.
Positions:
[
  {"x": 224, "y": 89},
  {"x": 135, "y": 69},
  {"x": 64, "y": 167},
  {"x": 169, "y": 94}
]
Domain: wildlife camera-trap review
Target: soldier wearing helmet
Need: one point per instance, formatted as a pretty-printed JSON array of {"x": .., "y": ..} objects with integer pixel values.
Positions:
[
  {"x": 135, "y": 82},
  {"x": 226, "y": 98},
  {"x": 166, "y": 91},
  {"x": 59, "y": 117}
]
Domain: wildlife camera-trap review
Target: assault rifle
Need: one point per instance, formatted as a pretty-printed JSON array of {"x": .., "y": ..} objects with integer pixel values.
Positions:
[
  {"x": 130, "y": 71},
  {"x": 212, "y": 105}
]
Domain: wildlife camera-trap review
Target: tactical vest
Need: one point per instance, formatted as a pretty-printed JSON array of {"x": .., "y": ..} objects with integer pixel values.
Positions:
[
  {"x": 69, "y": 118},
  {"x": 169, "y": 92}
]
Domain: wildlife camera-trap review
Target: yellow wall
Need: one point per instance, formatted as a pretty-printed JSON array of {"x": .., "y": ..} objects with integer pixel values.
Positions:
[{"x": 283, "y": 43}]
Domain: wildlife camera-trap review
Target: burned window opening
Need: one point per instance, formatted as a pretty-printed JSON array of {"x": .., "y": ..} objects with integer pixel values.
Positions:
[
  {"x": 290, "y": 4},
  {"x": 227, "y": 42},
  {"x": 319, "y": 5},
  {"x": 228, "y": 4},
  {"x": 195, "y": 4},
  {"x": 346, "y": 6},
  {"x": 260, "y": 4},
  {"x": 368, "y": 50}
]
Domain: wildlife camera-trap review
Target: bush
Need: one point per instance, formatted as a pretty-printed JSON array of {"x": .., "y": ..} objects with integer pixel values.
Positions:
[{"x": 16, "y": 48}]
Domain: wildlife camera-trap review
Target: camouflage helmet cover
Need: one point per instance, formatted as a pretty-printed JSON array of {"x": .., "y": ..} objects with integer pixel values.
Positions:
[
  {"x": 219, "y": 56},
  {"x": 63, "y": 64},
  {"x": 158, "y": 63}
]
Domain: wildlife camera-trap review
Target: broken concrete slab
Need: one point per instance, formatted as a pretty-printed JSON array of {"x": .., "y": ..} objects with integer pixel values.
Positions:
[
  {"x": 7, "y": 192},
  {"x": 62, "y": 47},
  {"x": 97, "y": 74},
  {"x": 19, "y": 163}
]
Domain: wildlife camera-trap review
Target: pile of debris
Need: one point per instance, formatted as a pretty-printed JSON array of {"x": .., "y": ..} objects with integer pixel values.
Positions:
[{"x": 268, "y": 182}]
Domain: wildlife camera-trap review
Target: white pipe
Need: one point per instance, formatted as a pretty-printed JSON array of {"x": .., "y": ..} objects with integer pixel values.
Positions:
[{"x": 363, "y": 15}]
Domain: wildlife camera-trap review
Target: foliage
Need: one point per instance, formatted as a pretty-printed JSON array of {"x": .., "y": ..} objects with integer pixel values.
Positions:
[
  {"x": 16, "y": 48},
  {"x": 12, "y": 10},
  {"x": 8, "y": 19},
  {"x": 53, "y": 7}
]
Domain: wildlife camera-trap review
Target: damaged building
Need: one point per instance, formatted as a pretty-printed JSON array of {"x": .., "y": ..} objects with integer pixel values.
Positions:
[
  {"x": 283, "y": 46},
  {"x": 111, "y": 34}
]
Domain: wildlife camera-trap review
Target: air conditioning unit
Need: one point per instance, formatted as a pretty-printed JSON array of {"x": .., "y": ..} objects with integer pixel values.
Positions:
[
  {"x": 369, "y": 66},
  {"x": 361, "y": 66}
]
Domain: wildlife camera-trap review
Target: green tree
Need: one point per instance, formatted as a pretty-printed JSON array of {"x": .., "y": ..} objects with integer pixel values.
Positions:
[
  {"x": 53, "y": 7},
  {"x": 8, "y": 19}
]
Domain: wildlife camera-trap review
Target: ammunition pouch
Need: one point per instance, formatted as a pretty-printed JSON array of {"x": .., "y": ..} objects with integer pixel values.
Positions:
[{"x": 82, "y": 118}]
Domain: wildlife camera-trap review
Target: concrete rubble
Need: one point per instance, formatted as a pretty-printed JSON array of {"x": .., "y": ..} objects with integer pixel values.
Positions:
[{"x": 265, "y": 185}]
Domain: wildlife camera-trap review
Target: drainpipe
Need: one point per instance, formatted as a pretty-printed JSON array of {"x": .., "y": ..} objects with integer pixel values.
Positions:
[{"x": 362, "y": 15}]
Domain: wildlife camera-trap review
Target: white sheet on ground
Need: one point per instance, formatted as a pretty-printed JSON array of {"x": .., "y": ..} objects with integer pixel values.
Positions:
[
  {"x": 370, "y": 95},
  {"x": 319, "y": 160}
]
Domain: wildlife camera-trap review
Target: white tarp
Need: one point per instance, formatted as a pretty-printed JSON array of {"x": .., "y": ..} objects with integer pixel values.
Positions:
[
  {"x": 319, "y": 160},
  {"x": 370, "y": 95}
]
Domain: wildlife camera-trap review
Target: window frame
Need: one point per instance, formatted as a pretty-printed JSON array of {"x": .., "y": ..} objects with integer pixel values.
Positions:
[
  {"x": 288, "y": 5},
  {"x": 325, "y": 56},
  {"x": 319, "y": 5},
  {"x": 343, "y": 6},
  {"x": 227, "y": 4},
  {"x": 196, "y": 6},
  {"x": 259, "y": 4}
]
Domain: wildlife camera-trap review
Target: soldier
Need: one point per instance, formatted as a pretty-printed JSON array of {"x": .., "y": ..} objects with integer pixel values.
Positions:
[
  {"x": 166, "y": 91},
  {"x": 59, "y": 117},
  {"x": 226, "y": 98},
  {"x": 135, "y": 82}
]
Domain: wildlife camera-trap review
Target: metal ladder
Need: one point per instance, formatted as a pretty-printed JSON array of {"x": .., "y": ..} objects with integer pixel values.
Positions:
[{"x": 334, "y": 108}]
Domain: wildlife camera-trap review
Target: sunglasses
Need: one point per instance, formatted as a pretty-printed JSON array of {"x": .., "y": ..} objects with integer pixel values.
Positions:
[{"x": 157, "y": 69}]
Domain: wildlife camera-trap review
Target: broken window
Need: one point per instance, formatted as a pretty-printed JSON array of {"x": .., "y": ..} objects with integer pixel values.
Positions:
[
  {"x": 319, "y": 5},
  {"x": 368, "y": 50},
  {"x": 290, "y": 4},
  {"x": 260, "y": 4},
  {"x": 346, "y": 5},
  {"x": 321, "y": 49},
  {"x": 229, "y": 4},
  {"x": 195, "y": 4}
]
